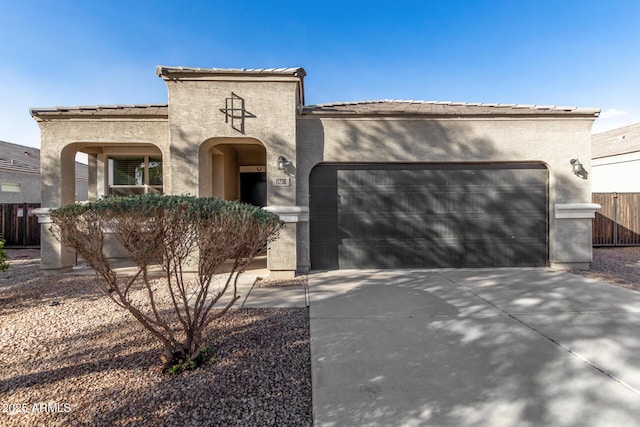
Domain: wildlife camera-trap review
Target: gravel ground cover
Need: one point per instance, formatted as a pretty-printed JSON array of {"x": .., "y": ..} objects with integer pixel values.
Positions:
[
  {"x": 70, "y": 356},
  {"x": 619, "y": 266}
]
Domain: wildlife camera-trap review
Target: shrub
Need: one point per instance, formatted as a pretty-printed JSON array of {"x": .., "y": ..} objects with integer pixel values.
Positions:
[
  {"x": 4, "y": 266},
  {"x": 182, "y": 233}
]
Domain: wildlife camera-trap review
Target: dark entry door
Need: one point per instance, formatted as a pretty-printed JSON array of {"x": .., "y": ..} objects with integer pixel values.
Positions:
[
  {"x": 253, "y": 188},
  {"x": 428, "y": 215}
]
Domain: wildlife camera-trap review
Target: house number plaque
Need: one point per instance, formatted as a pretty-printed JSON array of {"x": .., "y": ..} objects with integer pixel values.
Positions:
[{"x": 282, "y": 182}]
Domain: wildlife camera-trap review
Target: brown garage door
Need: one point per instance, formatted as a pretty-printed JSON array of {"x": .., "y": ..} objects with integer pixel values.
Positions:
[{"x": 428, "y": 215}]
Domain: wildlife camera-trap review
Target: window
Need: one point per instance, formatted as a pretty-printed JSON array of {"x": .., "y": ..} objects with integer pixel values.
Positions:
[
  {"x": 135, "y": 175},
  {"x": 9, "y": 187}
]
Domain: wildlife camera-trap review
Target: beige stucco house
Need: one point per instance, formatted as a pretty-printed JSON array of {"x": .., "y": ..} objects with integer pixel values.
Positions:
[
  {"x": 615, "y": 160},
  {"x": 373, "y": 184},
  {"x": 20, "y": 175}
]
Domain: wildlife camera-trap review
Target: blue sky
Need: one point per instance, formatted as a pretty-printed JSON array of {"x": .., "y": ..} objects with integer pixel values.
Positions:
[{"x": 64, "y": 53}]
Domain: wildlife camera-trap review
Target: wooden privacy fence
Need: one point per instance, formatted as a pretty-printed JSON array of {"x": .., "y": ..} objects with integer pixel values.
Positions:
[
  {"x": 617, "y": 223},
  {"x": 18, "y": 225}
]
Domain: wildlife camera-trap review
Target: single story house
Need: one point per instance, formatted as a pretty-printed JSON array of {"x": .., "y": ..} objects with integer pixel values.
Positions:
[
  {"x": 371, "y": 184},
  {"x": 20, "y": 175},
  {"x": 615, "y": 160}
]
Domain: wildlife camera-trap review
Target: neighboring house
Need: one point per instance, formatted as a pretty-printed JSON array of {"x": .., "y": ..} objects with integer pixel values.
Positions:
[
  {"x": 371, "y": 184},
  {"x": 20, "y": 175},
  {"x": 615, "y": 160}
]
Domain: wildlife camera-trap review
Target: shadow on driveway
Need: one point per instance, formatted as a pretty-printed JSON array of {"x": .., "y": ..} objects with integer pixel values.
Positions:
[{"x": 506, "y": 347}]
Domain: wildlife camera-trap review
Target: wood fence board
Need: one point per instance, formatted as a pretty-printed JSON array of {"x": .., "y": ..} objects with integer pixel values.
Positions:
[
  {"x": 617, "y": 223},
  {"x": 18, "y": 226}
]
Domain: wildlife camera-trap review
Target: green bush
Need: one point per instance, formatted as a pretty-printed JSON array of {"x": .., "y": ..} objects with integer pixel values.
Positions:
[
  {"x": 4, "y": 266},
  {"x": 182, "y": 233}
]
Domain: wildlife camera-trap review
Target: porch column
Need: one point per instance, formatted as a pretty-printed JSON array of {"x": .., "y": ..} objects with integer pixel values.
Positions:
[
  {"x": 282, "y": 258},
  {"x": 573, "y": 241},
  {"x": 102, "y": 177},
  {"x": 54, "y": 258},
  {"x": 97, "y": 176},
  {"x": 57, "y": 169}
]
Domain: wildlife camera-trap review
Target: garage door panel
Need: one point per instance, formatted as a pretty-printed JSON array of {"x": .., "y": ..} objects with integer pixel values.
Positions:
[
  {"x": 423, "y": 215},
  {"x": 384, "y": 226},
  {"x": 410, "y": 226},
  {"x": 372, "y": 200},
  {"x": 432, "y": 256}
]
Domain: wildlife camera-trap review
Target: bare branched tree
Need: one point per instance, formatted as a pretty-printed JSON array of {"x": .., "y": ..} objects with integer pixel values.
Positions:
[{"x": 191, "y": 238}]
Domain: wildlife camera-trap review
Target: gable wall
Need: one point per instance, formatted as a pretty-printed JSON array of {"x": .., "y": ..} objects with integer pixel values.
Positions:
[
  {"x": 197, "y": 124},
  {"x": 195, "y": 117}
]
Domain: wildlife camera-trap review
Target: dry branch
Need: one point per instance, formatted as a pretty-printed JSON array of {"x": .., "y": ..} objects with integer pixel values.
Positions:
[{"x": 189, "y": 237}]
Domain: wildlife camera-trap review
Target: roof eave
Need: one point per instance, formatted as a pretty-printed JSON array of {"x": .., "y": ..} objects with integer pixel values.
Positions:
[
  {"x": 155, "y": 111},
  {"x": 413, "y": 108},
  {"x": 176, "y": 73},
  {"x": 592, "y": 114}
]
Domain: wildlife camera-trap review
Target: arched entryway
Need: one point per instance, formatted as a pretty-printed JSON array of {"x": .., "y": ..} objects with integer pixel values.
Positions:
[{"x": 234, "y": 169}]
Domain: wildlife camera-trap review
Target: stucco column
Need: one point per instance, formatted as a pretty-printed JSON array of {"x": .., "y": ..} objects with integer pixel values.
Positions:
[
  {"x": 573, "y": 246},
  {"x": 102, "y": 175},
  {"x": 54, "y": 257},
  {"x": 182, "y": 164},
  {"x": 57, "y": 170},
  {"x": 97, "y": 174},
  {"x": 282, "y": 258}
]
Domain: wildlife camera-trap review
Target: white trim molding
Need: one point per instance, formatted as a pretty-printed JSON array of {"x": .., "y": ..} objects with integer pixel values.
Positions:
[
  {"x": 43, "y": 214},
  {"x": 576, "y": 210},
  {"x": 290, "y": 213}
]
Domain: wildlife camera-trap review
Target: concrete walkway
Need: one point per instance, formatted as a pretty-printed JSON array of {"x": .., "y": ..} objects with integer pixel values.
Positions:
[
  {"x": 505, "y": 347},
  {"x": 251, "y": 295}
]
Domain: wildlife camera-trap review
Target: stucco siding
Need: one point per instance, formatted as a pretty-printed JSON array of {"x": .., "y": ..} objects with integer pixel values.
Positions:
[
  {"x": 29, "y": 187},
  {"x": 195, "y": 117},
  {"x": 554, "y": 142},
  {"x": 619, "y": 174},
  {"x": 62, "y": 139},
  {"x": 197, "y": 125},
  {"x": 551, "y": 141}
]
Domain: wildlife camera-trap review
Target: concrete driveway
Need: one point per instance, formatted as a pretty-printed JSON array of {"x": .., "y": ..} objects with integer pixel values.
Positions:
[{"x": 503, "y": 347}]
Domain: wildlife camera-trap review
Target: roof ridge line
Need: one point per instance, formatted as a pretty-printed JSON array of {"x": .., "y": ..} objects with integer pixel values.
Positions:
[
  {"x": 540, "y": 107},
  {"x": 617, "y": 129}
]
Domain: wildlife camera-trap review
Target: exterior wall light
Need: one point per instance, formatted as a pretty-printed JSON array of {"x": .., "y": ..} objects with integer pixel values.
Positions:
[
  {"x": 578, "y": 169},
  {"x": 282, "y": 163}
]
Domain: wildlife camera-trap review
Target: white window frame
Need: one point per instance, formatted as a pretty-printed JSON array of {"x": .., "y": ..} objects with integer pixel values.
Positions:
[
  {"x": 145, "y": 186},
  {"x": 11, "y": 187}
]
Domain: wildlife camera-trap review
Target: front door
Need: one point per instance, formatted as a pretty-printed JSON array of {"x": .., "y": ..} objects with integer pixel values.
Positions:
[{"x": 253, "y": 188}]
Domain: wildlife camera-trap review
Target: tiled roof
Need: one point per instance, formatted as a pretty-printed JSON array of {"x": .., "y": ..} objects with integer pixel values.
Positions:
[
  {"x": 616, "y": 141},
  {"x": 148, "y": 110},
  {"x": 295, "y": 71},
  {"x": 383, "y": 107},
  {"x": 20, "y": 158},
  {"x": 407, "y": 107}
]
